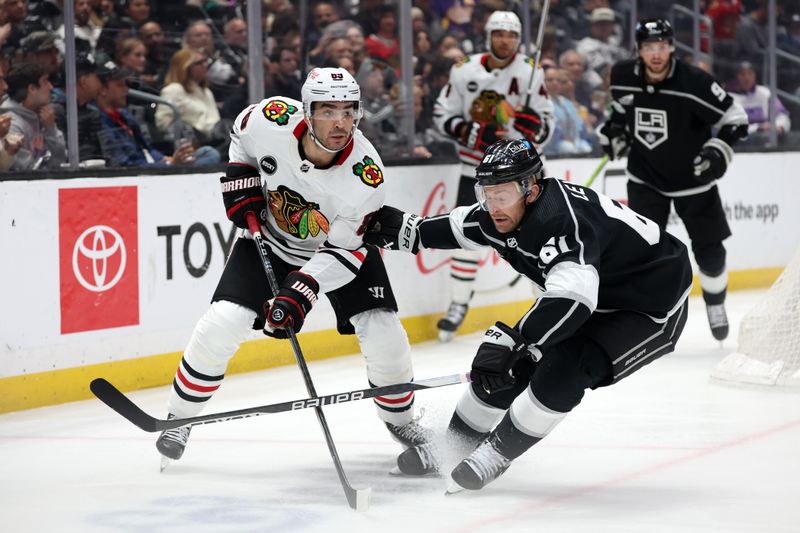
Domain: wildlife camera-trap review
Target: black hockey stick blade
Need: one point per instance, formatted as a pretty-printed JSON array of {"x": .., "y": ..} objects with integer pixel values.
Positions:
[{"x": 115, "y": 399}]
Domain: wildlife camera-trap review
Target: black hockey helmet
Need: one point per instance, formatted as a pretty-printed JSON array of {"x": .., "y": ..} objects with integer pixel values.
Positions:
[
  {"x": 653, "y": 30},
  {"x": 508, "y": 160}
]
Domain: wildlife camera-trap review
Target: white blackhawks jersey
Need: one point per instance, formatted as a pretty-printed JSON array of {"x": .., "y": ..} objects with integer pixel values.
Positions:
[
  {"x": 474, "y": 92},
  {"x": 316, "y": 216}
]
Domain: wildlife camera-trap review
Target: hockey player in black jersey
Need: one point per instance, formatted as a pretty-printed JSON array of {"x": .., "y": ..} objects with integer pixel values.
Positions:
[
  {"x": 615, "y": 299},
  {"x": 663, "y": 112}
]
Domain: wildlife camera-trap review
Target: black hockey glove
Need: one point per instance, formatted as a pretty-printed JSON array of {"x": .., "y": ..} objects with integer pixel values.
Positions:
[
  {"x": 478, "y": 135},
  {"x": 502, "y": 347},
  {"x": 243, "y": 194},
  {"x": 530, "y": 124},
  {"x": 614, "y": 140},
  {"x": 712, "y": 161},
  {"x": 393, "y": 229},
  {"x": 298, "y": 293}
]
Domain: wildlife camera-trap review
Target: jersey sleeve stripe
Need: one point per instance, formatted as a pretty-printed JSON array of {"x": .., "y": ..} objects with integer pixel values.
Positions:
[
  {"x": 574, "y": 221},
  {"x": 696, "y": 99}
]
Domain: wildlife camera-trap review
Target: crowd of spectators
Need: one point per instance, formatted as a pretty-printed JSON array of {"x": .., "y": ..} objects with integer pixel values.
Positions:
[{"x": 193, "y": 54}]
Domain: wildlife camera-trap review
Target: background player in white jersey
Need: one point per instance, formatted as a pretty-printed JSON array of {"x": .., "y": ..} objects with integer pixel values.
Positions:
[
  {"x": 663, "y": 112},
  {"x": 495, "y": 95},
  {"x": 313, "y": 180},
  {"x": 615, "y": 299}
]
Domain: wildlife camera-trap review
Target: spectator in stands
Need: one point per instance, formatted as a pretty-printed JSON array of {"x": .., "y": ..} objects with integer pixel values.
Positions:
[
  {"x": 115, "y": 29},
  {"x": 187, "y": 88},
  {"x": 157, "y": 59},
  {"x": 86, "y": 29},
  {"x": 87, "y": 87},
  {"x": 356, "y": 37},
  {"x": 132, "y": 55},
  {"x": 754, "y": 99},
  {"x": 335, "y": 50},
  {"x": 33, "y": 117},
  {"x": 570, "y": 135},
  {"x": 367, "y": 16},
  {"x": 137, "y": 11},
  {"x": 724, "y": 15},
  {"x": 601, "y": 47},
  {"x": 198, "y": 36},
  {"x": 121, "y": 138},
  {"x": 422, "y": 43},
  {"x": 751, "y": 35},
  {"x": 16, "y": 13},
  {"x": 790, "y": 41},
  {"x": 384, "y": 44},
  {"x": 581, "y": 19},
  {"x": 235, "y": 51},
  {"x": 378, "y": 119},
  {"x": 9, "y": 144},
  {"x": 323, "y": 13},
  {"x": 585, "y": 81},
  {"x": 285, "y": 81},
  {"x": 40, "y": 48},
  {"x": 474, "y": 42}
]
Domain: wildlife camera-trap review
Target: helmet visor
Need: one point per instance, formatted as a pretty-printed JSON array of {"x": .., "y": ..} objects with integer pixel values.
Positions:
[
  {"x": 332, "y": 113},
  {"x": 499, "y": 196}
]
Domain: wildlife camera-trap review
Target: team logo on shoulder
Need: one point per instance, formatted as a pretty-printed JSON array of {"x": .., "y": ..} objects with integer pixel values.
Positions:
[
  {"x": 491, "y": 106},
  {"x": 294, "y": 215},
  {"x": 369, "y": 172},
  {"x": 463, "y": 62},
  {"x": 650, "y": 126},
  {"x": 278, "y": 111},
  {"x": 268, "y": 164}
]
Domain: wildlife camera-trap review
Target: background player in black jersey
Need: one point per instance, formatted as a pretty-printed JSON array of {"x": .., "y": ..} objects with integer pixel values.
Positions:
[
  {"x": 663, "y": 114},
  {"x": 615, "y": 299}
]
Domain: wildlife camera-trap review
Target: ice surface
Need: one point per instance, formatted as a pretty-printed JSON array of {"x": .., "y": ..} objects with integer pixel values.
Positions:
[{"x": 666, "y": 450}]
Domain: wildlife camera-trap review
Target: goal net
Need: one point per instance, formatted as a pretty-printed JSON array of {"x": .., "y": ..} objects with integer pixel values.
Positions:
[{"x": 769, "y": 337}]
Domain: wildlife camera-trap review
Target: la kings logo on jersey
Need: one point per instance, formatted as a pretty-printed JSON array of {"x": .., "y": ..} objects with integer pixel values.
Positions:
[{"x": 651, "y": 126}]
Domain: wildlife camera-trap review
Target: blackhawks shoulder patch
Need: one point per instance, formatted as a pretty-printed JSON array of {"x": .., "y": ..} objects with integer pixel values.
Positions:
[
  {"x": 278, "y": 111},
  {"x": 369, "y": 172}
]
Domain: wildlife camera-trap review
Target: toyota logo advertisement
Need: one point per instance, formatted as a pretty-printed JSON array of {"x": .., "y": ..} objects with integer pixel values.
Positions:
[{"x": 98, "y": 257}]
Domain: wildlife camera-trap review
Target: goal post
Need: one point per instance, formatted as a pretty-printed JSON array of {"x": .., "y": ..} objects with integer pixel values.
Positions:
[{"x": 768, "y": 350}]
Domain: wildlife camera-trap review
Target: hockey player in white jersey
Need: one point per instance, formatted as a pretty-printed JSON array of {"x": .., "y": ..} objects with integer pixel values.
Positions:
[
  {"x": 489, "y": 96},
  {"x": 313, "y": 180}
]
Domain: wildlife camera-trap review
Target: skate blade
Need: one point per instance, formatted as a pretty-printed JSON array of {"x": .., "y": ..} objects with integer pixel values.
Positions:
[
  {"x": 453, "y": 488},
  {"x": 446, "y": 336},
  {"x": 165, "y": 462},
  {"x": 399, "y": 473}
]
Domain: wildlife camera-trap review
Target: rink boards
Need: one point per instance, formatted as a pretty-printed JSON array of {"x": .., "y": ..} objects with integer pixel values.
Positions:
[{"x": 107, "y": 276}]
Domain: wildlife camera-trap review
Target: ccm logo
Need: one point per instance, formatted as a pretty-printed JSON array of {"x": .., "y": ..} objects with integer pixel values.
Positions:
[
  {"x": 244, "y": 183},
  {"x": 305, "y": 290}
]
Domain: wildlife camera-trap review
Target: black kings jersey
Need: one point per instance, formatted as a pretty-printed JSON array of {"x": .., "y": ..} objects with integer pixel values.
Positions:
[
  {"x": 589, "y": 253},
  {"x": 669, "y": 121}
]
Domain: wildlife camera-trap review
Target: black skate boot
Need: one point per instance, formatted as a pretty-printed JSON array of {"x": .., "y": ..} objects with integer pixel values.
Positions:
[
  {"x": 411, "y": 434},
  {"x": 172, "y": 442},
  {"x": 419, "y": 460},
  {"x": 718, "y": 320},
  {"x": 449, "y": 324},
  {"x": 481, "y": 467}
]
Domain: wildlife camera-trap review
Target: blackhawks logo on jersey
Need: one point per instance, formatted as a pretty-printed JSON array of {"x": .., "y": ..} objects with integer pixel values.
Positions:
[
  {"x": 491, "y": 106},
  {"x": 369, "y": 172},
  {"x": 295, "y": 215},
  {"x": 278, "y": 111}
]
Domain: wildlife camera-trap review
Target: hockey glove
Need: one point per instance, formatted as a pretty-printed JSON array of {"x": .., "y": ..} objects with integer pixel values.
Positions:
[
  {"x": 243, "y": 194},
  {"x": 298, "y": 293},
  {"x": 393, "y": 229},
  {"x": 614, "y": 140},
  {"x": 502, "y": 347},
  {"x": 478, "y": 135},
  {"x": 712, "y": 161},
  {"x": 530, "y": 124}
]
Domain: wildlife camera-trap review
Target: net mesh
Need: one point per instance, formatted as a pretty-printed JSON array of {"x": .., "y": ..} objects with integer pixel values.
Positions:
[{"x": 769, "y": 336}]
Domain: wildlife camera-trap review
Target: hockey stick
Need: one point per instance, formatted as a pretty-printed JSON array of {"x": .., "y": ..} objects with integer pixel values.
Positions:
[
  {"x": 596, "y": 172},
  {"x": 116, "y": 399},
  {"x": 358, "y": 499},
  {"x": 539, "y": 41}
]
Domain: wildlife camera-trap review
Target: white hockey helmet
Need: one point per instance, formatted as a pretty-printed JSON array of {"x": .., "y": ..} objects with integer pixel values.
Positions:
[
  {"x": 502, "y": 20},
  {"x": 330, "y": 85}
]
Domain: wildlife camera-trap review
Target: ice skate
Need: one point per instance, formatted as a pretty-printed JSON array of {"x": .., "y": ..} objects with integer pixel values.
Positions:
[
  {"x": 411, "y": 434},
  {"x": 449, "y": 324},
  {"x": 172, "y": 442},
  {"x": 419, "y": 460},
  {"x": 718, "y": 321},
  {"x": 481, "y": 467}
]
